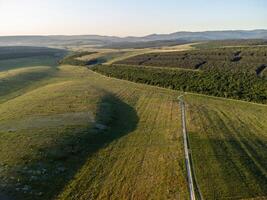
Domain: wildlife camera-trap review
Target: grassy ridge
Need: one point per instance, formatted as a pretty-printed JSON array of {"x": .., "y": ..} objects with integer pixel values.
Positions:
[
  {"x": 57, "y": 119},
  {"x": 14, "y": 82},
  {"x": 57, "y": 133},
  {"x": 17, "y": 57},
  {"x": 232, "y": 85},
  {"x": 144, "y": 164},
  {"x": 86, "y": 134},
  {"x": 49, "y": 61}
]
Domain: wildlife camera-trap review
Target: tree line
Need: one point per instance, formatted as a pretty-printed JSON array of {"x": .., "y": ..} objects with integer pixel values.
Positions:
[{"x": 242, "y": 86}]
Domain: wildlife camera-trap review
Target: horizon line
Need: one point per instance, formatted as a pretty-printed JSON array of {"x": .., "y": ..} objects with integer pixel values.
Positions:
[{"x": 101, "y": 35}]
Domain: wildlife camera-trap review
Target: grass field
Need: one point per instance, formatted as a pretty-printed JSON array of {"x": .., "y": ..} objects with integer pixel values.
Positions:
[
  {"x": 69, "y": 133},
  {"x": 17, "y": 81},
  {"x": 228, "y": 141},
  {"x": 65, "y": 118}
]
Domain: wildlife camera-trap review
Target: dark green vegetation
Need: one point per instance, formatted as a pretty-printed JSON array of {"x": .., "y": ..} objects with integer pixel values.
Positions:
[
  {"x": 243, "y": 60},
  {"x": 231, "y": 85},
  {"x": 230, "y": 43}
]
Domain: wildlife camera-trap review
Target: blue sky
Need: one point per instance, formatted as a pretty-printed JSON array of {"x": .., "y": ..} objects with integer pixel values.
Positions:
[{"x": 128, "y": 17}]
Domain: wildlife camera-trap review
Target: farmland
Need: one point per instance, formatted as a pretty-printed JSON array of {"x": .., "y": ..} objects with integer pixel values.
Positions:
[
  {"x": 245, "y": 59},
  {"x": 90, "y": 56},
  {"x": 96, "y": 137},
  {"x": 234, "y": 72}
]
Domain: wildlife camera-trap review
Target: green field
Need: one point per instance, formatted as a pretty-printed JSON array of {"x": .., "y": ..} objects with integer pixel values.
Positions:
[
  {"x": 62, "y": 121},
  {"x": 69, "y": 133},
  {"x": 228, "y": 141}
]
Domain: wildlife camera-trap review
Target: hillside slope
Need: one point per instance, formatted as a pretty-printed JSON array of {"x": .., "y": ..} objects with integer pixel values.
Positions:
[
  {"x": 96, "y": 137},
  {"x": 228, "y": 141},
  {"x": 55, "y": 130},
  {"x": 98, "y": 40}
]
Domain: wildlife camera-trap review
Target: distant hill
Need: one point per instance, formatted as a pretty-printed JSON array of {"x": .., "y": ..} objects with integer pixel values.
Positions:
[
  {"x": 62, "y": 40},
  {"x": 145, "y": 44},
  {"x": 59, "y": 40},
  {"x": 210, "y": 35}
]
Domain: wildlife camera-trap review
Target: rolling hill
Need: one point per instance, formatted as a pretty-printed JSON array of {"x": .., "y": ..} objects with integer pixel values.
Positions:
[
  {"x": 96, "y": 137},
  {"x": 96, "y": 40}
]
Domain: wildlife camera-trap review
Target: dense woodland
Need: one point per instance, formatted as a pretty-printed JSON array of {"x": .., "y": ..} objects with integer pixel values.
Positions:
[{"x": 243, "y": 86}]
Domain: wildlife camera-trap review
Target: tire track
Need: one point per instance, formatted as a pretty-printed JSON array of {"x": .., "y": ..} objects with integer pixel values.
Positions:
[{"x": 187, "y": 154}]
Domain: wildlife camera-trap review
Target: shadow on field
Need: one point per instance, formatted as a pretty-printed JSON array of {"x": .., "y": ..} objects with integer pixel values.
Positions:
[
  {"x": 57, "y": 165},
  {"x": 224, "y": 168},
  {"x": 18, "y": 82}
]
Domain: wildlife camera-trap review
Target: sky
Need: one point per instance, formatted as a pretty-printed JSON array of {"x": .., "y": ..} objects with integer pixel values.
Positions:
[{"x": 128, "y": 17}]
